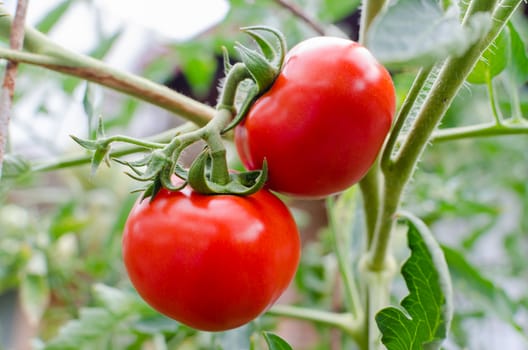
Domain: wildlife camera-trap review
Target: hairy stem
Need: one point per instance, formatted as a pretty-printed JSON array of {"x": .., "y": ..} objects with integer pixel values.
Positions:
[
  {"x": 450, "y": 78},
  {"x": 371, "y": 195},
  {"x": 405, "y": 109}
]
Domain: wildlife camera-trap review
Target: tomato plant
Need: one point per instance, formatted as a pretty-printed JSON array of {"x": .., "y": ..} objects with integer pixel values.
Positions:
[
  {"x": 215, "y": 251},
  {"x": 211, "y": 262},
  {"x": 323, "y": 121}
]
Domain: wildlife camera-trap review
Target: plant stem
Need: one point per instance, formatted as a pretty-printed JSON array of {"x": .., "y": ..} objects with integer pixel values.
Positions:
[
  {"x": 340, "y": 248},
  {"x": 298, "y": 12},
  {"x": 450, "y": 78},
  {"x": 16, "y": 40},
  {"x": 47, "y": 54},
  {"x": 480, "y": 130},
  {"x": 134, "y": 141},
  {"x": 371, "y": 195},
  {"x": 342, "y": 321},
  {"x": 493, "y": 104},
  {"x": 405, "y": 109},
  {"x": 118, "y": 151}
]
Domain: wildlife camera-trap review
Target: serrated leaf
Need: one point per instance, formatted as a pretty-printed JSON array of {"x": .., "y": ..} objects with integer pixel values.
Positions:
[
  {"x": 275, "y": 342},
  {"x": 419, "y": 33},
  {"x": 482, "y": 290},
  {"x": 424, "y": 319},
  {"x": 492, "y": 62}
]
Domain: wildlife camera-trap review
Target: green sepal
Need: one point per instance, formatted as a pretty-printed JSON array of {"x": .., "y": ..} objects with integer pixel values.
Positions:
[
  {"x": 263, "y": 67},
  {"x": 155, "y": 163},
  {"x": 261, "y": 70},
  {"x": 102, "y": 154},
  {"x": 243, "y": 184},
  {"x": 251, "y": 96},
  {"x": 152, "y": 190},
  {"x": 227, "y": 64},
  {"x": 274, "y": 54},
  {"x": 90, "y": 145},
  {"x": 100, "y": 148}
]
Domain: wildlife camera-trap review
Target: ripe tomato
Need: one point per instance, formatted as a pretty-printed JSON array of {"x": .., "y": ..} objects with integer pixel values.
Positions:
[
  {"x": 322, "y": 123},
  {"x": 212, "y": 262}
]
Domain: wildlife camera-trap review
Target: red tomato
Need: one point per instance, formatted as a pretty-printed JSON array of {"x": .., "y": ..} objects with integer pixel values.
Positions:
[
  {"x": 322, "y": 123},
  {"x": 212, "y": 262}
]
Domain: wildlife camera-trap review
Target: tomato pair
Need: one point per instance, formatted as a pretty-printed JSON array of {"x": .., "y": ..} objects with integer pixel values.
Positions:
[{"x": 215, "y": 262}]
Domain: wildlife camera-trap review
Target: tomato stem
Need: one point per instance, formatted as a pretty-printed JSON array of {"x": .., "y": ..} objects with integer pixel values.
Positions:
[
  {"x": 43, "y": 52},
  {"x": 480, "y": 130},
  {"x": 449, "y": 80},
  {"x": 351, "y": 289},
  {"x": 342, "y": 321}
]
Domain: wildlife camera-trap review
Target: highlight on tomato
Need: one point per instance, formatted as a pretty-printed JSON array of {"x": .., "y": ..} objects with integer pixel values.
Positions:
[
  {"x": 211, "y": 262},
  {"x": 323, "y": 122}
]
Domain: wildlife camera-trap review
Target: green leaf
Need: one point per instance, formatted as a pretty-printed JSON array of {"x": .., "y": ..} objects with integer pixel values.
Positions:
[
  {"x": 331, "y": 10},
  {"x": 492, "y": 62},
  {"x": 90, "y": 105},
  {"x": 67, "y": 219},
  {"x": 480, "y": 289},
  {"x": 518, "y": 65},
  {"x": 275, "y": 342},
  {"x": 34, "y": 296},
  {"x": 93, "y": 327},
  {"x": 420, "y": 33},
  {"x": 14, "y": 167},
  {"x": 198, "y": 66},
  {"x": 115, "y": 300},
  {"x": 53, "y": 17},
  {"x": 424, "y": 321}
]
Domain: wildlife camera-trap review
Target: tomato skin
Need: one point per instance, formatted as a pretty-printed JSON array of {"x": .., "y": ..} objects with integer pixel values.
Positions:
[
  {"x": 212, "y": 262},
  {"x": 322, "y": 123}
]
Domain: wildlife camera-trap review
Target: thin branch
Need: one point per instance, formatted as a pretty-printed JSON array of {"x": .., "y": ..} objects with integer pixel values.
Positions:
[
  {"x": 43, "y": 52},
  {"x": 479, "y": 130},
  {"x": 343, "y": 321},
  {"x": 119, "y": 151},
  {"x": 296, "y": 11},
  {"x": 16, "y": 40}
]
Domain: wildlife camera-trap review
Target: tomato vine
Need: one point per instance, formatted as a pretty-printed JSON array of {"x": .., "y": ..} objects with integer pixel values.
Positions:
[{"x": 431, "y": 94}]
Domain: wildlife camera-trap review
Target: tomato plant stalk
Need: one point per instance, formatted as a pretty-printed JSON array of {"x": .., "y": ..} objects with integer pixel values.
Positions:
[{"x": 398, "y": 161}]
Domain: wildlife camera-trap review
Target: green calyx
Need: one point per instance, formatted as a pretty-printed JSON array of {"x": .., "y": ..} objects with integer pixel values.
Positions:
[
  {"x": 209, "y": 172},
  {"x": 201, "y": 178},
  {"x": 263, "y": 67}
]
